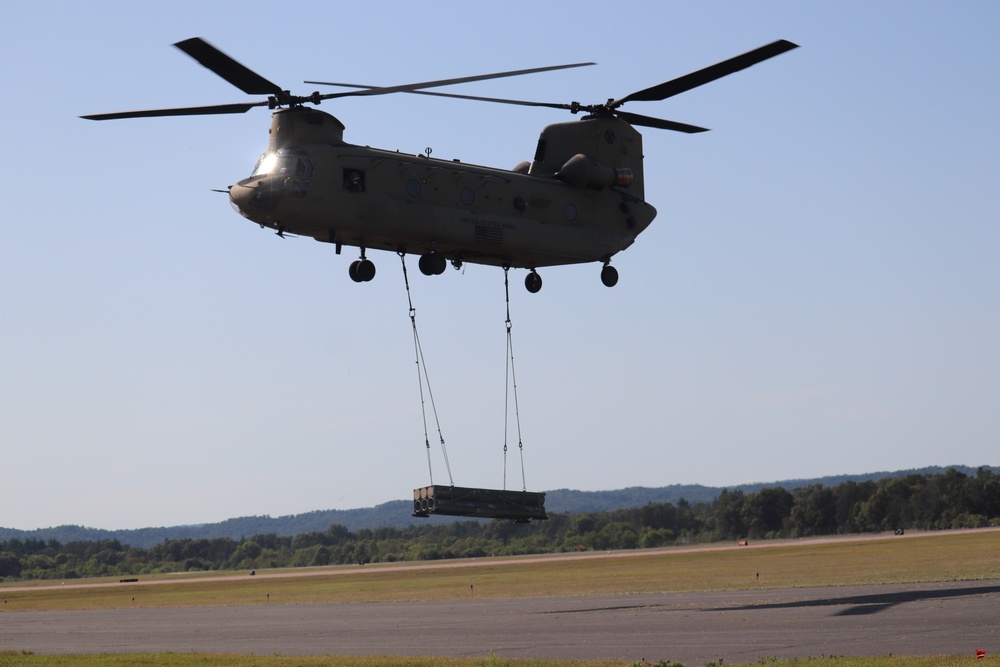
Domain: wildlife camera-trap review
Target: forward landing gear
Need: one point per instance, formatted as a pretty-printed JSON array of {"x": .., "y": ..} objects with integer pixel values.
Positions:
[
  {"x": 362, "y": 270},
  {"x": 432, "y": 264}
]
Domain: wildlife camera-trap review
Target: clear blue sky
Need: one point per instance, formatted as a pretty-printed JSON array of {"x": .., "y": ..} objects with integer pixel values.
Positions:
[{"x": 819, "y": 294}]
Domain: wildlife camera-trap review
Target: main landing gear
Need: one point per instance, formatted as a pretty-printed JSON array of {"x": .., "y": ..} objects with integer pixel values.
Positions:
[
  {"x": 533, "y": 282},
  {"x": 609, "y": 275}
]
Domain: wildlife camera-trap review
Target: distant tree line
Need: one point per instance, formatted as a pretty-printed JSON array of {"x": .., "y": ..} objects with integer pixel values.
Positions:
[{"x": 919, "y": 501}]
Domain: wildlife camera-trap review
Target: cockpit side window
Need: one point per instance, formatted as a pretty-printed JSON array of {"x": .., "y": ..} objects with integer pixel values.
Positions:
[{"x": 303, "y": 168}]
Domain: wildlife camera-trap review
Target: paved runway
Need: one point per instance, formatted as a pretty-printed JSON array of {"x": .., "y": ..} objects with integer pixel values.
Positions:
[{"x": 691, "y": 628}]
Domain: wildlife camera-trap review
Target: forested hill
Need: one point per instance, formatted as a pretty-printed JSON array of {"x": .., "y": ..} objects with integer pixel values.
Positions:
[{"x": 397, "y": 513}]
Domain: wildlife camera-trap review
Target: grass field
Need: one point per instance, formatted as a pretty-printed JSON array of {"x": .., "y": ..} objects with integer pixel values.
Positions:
[
  {"x": 946, "y": 556},
  {"x": 957, "y": 556}
]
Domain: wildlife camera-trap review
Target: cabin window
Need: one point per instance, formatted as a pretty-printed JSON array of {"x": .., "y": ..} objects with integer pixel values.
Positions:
[
  {"x": 570, "y": 212},
  {"x": 520, "y": 204},
  {"x": 468, "y": 196},
  {"x": 413, "y": 188},
  {"x": 354, "y": 180}
]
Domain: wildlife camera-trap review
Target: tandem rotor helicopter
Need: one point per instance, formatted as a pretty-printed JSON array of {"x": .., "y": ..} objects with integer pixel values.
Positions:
[{"x": 580, "y": 200}]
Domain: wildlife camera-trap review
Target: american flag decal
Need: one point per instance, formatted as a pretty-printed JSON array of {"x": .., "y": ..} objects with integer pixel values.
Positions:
[{"x": 490, "y": 235}]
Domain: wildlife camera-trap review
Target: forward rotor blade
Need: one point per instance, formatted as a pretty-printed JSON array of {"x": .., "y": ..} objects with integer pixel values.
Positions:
[
  {"x": 707, "y": 75},
  {"x": 659, "y": 123},
  {"x": 182, "y": 111},
  {"x": 411, "y": 87},
  {"x": 235, "y": 73}
]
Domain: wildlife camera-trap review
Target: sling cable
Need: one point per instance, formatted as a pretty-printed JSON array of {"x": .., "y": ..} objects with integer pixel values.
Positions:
[{"x": 519, "y": 506}]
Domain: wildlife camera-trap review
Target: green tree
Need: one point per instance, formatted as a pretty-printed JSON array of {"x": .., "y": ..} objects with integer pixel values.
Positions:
[
  {"x": 10, "y": 564},
  {"x": 814, "y": 511},
  {"x": 728, "y": 515},
  {"x": 850, "y": 498},
  {"x": 764, "y": 513}
]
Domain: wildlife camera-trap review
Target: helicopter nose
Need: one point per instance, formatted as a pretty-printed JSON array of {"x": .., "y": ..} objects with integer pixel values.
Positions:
[
  {"x": 255, "y": 199},
  {"x": 239, "y": 198}
]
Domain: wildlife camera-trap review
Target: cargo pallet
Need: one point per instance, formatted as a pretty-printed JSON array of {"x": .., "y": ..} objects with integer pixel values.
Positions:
[{"x": 518, "y": 506}]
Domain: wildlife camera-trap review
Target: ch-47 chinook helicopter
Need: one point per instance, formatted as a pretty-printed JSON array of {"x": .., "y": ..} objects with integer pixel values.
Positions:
[{"x": 580, "y": 200}]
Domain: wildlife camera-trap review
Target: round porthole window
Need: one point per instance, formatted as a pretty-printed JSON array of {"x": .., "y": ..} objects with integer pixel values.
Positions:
[
  {"x": 413, "y": 187},
  {"x": 468, "y": 196},
  {"x": 570, "y": 212},
  {"x": 520, "y": 204}
]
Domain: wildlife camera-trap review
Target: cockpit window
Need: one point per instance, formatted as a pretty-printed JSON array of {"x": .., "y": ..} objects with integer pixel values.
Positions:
[
  {"x": 290, "y": 171},
  {"x": 265, "y": 164},
  {"x": 287, "y": 162}
]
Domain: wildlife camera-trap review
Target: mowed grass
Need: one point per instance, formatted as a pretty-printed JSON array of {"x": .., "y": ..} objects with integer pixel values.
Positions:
[
  {"x": 945, "y": 556},
  {"x": 216, "y": 660}
]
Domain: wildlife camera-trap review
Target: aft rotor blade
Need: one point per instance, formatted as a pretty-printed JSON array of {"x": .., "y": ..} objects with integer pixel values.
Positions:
[
  {"x": 707, "y": 75},
  {"x": 182, "y": 111},
  {"x": 659, "y": 123},
  {"x": 235, "y": 73},
  {"x": 633, "y": 118},
  {"x": 411, "y": 87},
  {"x": 477, "y": 98}
]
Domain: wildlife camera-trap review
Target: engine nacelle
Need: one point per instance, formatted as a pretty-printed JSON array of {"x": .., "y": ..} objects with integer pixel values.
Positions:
[{"x": 582, "y": 172}]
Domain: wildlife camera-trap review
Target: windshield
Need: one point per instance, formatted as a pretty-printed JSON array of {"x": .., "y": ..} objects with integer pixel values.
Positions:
[
  {"x": 291, "y": 162},
  {"x": 265, "y": 164}
]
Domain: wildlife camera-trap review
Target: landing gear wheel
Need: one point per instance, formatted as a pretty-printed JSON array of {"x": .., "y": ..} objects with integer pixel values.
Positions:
[
  {"x": 432, "y": 264},
  {"x": 365, "y": 270},
  {"x": 533, "y": 282},
  {"x": 361, "y": 270},
  {"x": 609, "y": 276}
]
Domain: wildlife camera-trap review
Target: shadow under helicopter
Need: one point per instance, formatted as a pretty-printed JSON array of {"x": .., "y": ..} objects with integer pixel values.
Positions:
[
  {"x": 861, "y": 605},
  {"x": 856, "y": 605}
]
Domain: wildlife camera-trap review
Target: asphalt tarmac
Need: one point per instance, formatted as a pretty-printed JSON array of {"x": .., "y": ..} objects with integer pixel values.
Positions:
[{"x": 691, "y": 628}]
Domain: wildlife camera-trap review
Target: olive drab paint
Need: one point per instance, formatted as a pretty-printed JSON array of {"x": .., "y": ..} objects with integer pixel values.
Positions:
[{"x": 580, "y": 199}]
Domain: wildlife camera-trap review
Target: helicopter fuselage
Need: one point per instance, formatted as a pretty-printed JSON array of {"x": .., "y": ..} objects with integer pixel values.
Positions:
[
  {"x": 567, "y": 207},
  {"x": 581, "y": 199}
]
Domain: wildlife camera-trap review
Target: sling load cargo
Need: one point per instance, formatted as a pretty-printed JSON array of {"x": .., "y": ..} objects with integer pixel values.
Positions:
[{"x": 518, "y": 506}]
